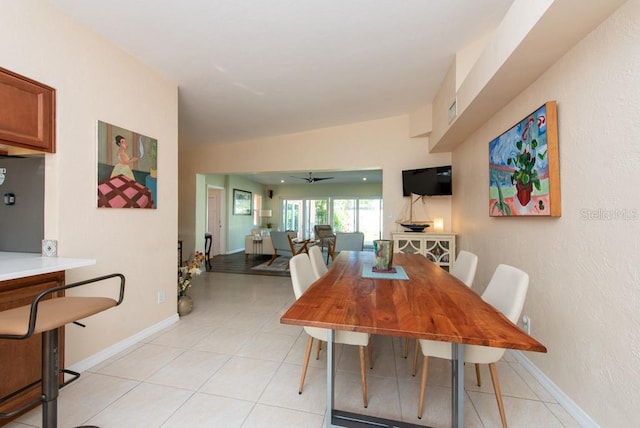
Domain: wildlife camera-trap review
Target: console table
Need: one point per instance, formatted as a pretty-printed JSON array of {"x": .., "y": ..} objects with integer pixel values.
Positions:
[{"x": 440, "y": 248}]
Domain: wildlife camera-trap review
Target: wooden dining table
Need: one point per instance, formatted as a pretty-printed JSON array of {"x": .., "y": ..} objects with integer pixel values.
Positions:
[{"x": 430, "y": 304}]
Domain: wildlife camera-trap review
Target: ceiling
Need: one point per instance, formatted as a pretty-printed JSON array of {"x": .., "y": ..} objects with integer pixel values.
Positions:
[
  {"x": 253, "y": 68},
  {"x": 299, "y": 178}
]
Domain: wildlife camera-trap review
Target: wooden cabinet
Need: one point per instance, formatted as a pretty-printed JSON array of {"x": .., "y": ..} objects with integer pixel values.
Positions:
[
  {"x": 21, "y": 360},
  {"x": 440, "y": 248},
  {"x": 27, "y": 113}
]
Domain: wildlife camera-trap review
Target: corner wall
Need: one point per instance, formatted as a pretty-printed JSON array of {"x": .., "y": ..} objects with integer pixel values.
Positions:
[
  {"x": 583, "y": 294},
  {"x": 96, "y": 81}
]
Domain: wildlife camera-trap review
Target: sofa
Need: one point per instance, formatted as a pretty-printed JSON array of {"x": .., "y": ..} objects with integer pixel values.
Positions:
[{"x": 253, "y": 246}]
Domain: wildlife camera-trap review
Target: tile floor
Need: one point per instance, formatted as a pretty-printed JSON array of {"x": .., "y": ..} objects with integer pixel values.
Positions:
[{"x": 230, "y": 363}]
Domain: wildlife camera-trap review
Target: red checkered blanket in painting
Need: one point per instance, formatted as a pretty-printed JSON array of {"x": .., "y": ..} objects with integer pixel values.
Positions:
[{"x": 122, "y": 192}]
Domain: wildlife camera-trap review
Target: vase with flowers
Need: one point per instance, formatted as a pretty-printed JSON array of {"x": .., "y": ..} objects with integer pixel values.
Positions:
[{"x": 185, "y": 278}]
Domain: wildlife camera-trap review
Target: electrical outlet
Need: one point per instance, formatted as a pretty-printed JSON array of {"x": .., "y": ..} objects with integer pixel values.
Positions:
[
  {"x": 526, "y": 323},
  {"x": 161, "y": 296}
]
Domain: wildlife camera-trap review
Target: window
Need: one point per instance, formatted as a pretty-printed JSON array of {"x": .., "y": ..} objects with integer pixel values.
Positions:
[
  {"x": 257, "y": 206},
  {"x": 343, "y": 214},
  {"x": 317, "y": 212},
  {"x": 292, "y": 215}
]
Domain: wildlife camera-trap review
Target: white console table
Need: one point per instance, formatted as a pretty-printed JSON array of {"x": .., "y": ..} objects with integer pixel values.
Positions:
[{"x": 440, "y": 248}]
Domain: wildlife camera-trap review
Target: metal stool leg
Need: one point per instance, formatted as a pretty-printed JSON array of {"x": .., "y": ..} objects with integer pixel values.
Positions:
[{"x": 50, "y": 370}]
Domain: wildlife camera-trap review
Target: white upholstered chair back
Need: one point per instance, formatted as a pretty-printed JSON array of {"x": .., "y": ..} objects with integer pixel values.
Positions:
[
  {"x": 317, "y": 262},
  {"x": 302, "y": 276},
  {"x": 465, "y": 267}
]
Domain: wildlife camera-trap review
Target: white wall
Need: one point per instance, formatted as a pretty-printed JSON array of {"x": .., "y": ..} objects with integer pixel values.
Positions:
[
  {"x": 95, "y": 81},
  {"x": 378, "y": 144},
  {"x": 584, "y": 290}
]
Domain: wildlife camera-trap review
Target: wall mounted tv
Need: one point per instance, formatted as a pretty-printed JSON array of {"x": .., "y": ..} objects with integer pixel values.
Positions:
[{"x": 434, "y": 181}]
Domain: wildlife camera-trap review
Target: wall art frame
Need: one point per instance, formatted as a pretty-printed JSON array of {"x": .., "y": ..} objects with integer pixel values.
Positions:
[
  {"x": 524, "y": 168},
  {"x": 241, "y": 202},
  {"x": 127, "y": 170}
]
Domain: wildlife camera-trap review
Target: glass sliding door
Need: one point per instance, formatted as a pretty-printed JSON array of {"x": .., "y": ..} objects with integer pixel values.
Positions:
[
  {"x": 344, "y": 217},
  {"x": 292, "y": 215},
  {"x": 370, "y": 219},
  {"x": 316, "y": 212},
  {"x": 343, "y": 214}
]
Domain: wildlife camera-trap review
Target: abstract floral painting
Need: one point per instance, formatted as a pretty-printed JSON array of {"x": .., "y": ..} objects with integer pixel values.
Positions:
[
  {"x": 524, "y": 176},
  {"x": 127, "y": 168}
]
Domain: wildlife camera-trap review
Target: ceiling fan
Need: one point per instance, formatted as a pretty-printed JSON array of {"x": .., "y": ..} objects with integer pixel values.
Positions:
[{"x": 312, "y": 179}]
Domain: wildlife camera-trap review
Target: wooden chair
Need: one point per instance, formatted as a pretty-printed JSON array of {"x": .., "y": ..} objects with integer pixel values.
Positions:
[
  {"x": 283, "y": 245},
  {"x": 345, "y": 241},
  {"x": 323, "y": 234}
]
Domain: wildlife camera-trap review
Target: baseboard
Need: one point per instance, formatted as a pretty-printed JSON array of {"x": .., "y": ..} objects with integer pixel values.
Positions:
[
  {"x": 563, "y": 399},
  {"x": 112, "y": 350}
]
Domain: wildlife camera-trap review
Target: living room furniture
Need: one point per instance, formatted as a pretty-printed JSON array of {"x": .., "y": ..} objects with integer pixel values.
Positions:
[
  {"x": 47, "y": 315},
  {"x": 506, "y": 292},
  {"x": 345, "y": 241},
  {"x": 440, "y": 248},
  {"x": 323, "y": 234},
  {"x": 284, "y": 244},
  {"x": 302, "y": 276},
  {"x": 265, "y": 248},
  {"x": 341, "y": 300}
]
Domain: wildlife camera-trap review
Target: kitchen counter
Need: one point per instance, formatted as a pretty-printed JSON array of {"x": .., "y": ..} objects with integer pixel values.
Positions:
[{"x": 20, "y": 265}]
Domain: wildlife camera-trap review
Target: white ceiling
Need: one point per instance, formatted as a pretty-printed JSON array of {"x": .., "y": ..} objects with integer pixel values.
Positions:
[
  {"x": 254, "y": 68},
  {"x": 298, "y": 178}
]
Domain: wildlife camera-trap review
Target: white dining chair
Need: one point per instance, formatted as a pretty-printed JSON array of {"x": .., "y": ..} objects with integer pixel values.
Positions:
[
  {"x": 465, "y": 266},
  {"x": 317, "y": 261},
  {"x": 464, "y": 269},
  {"x": 301, "y": 277},
  {"x": 506, "y": 292}
]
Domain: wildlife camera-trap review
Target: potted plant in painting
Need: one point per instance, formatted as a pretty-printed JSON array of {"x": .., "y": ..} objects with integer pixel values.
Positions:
[
  {"x": 525, "y": 177},
  {"x": 185, "y": 278}
]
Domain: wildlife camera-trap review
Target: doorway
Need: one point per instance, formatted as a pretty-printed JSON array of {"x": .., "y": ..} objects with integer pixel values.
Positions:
[{"x": 215, "y": 219}]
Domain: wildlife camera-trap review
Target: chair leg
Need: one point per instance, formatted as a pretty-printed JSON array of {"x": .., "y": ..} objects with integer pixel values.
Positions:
[
  {"x": 305, "y": 364},
  {"x": 319, "y": 349},
  {"x": 363, "y": 376},
  {"x": 423, "y": 384},
  {"x": 415, "y": 358},
  {"x": 50, "y": 367},
  {"x": 478, "y": 374},
  {"x": 405, "y": 351},
  {"x": 370, "y": 349},
  {"x": 496, "y": 388}
]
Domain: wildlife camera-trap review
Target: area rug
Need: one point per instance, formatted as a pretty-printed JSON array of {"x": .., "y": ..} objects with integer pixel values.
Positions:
[{"x": 280, "y": 264}]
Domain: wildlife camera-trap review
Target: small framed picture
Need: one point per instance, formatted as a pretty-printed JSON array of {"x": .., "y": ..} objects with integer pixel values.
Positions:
[{"x": 241, "y": 202}]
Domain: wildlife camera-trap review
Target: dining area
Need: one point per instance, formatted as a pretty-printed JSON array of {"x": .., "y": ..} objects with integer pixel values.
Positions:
[{"x": 438, "y": 309}]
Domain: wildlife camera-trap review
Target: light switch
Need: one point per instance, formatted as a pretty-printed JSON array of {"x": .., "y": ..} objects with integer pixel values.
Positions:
[{"x": 9, "y": 199}]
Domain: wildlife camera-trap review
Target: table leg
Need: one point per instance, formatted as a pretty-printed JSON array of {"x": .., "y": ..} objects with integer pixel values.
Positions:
[
  {"x": 340, "y": 418},
  {"x": 457, "y": 385},
  {"x": 330, "y": 377}
]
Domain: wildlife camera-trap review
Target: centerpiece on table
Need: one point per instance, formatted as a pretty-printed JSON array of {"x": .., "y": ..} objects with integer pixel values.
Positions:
[{"x": 185, "y": 278}]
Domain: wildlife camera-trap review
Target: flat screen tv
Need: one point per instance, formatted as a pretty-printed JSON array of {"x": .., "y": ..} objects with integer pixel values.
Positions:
[{"x": 434, "y": 181}]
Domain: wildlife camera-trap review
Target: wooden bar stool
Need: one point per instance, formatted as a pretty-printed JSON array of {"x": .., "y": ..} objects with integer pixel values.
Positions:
[
  {"x": 46, "y": 316},
  {"x": 208, "y": 240}
]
